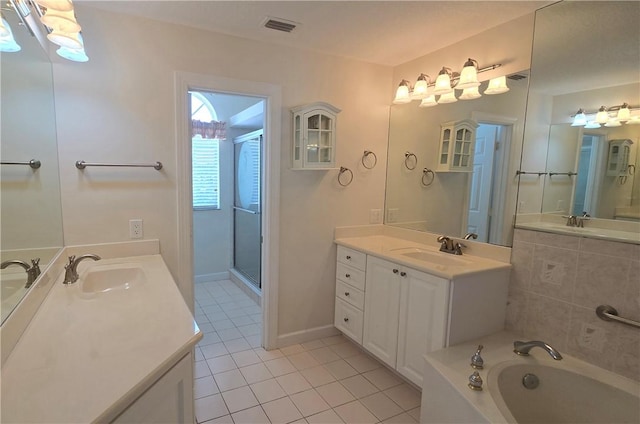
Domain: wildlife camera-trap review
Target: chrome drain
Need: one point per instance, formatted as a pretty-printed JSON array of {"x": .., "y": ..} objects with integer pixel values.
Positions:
[{"x": 530, "y": 381}]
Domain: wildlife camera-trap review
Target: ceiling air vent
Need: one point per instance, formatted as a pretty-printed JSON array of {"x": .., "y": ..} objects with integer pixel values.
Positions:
[
  {"x": 279, "y": 24},
  {"x": 516, "y": 77}
]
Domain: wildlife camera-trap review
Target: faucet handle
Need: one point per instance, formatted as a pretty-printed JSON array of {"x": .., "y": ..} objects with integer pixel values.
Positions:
[
  {"x": 476, "y": 360},
  {"x": 475, "y": 381},
  {"x": 72, "y": 259}
]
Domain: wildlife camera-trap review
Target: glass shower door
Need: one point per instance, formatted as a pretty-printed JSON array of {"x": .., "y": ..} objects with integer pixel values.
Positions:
[{"x": 247, "y": 232}]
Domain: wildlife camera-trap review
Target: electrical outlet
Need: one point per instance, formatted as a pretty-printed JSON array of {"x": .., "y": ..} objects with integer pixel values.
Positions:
[
  {"x": 392, "y": 214},
  {"x": 375, "y": 216},
  {"x": 135, "y": 228}
]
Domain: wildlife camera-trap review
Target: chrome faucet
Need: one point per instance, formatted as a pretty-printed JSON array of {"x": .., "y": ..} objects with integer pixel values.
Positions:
[
  {"x": 33, "y": 270},
  {"x": 523, "y": 348},
  {"x": 447, "y": 245},
  {"x": 580, "y": 220},
  {"x": 572, "y": 220},
  {"x": 71, "y": 269},
  {"x": 470, "y": 236}
]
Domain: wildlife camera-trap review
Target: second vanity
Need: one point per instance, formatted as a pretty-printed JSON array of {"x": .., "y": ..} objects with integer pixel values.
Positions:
[{"x": 399, "y": 297}]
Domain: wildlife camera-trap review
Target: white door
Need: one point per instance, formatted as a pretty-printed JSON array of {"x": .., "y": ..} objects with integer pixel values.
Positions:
[
  {"x": 422, "y": 328},
  {"x": 480, "y": 193},
  {"x": 381, "y": 305}
]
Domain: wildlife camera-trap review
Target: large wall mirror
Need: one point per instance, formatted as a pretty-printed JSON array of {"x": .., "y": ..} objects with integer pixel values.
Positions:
[
  {"x": 420, "y": 196},
  {"x": 31, "y": 224},
  {"x": 586, "y": 55}
]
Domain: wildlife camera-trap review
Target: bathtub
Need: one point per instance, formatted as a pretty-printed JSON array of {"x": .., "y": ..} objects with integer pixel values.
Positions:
[{"x": 567, "y": 391}]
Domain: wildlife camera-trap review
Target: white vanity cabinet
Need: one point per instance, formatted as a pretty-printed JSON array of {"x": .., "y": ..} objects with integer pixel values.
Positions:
[
  {"x": 314, "y": 136},
  {"x": 457, "y": 143},
  {"x": 350, "y": 289},
  {"x": 405, "y": 315}
]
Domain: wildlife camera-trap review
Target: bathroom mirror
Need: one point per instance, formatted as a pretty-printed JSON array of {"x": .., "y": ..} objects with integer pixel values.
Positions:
[
  {"x": 31, "y": 224},
  {"x": 446, "y": 202},
  {"x": 585, "y": 55}
]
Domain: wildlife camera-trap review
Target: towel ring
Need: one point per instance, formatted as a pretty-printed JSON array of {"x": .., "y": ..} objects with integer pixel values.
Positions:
[
  {"x": 425, "y": 173},
  {"x": 407, "y": 156},
  {"x": 342, "y": 171},
  {"x": 366, "y": 155}
]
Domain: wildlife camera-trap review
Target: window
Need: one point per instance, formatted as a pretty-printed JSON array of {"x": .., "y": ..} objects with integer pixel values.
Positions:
[{"x": 205, "y": 158}]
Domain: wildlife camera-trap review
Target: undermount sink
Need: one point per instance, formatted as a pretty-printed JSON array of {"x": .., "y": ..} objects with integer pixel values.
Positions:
[
  {"x": 437, "y": 258},
  {"x": 112, "y": 277}
]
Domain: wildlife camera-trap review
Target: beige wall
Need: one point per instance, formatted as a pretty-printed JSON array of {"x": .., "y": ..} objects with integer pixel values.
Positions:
[{"x": 120, "y": 107}]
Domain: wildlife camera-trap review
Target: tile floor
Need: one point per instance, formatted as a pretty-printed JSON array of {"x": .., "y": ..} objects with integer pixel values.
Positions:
[{"x": 323, "y": 381}]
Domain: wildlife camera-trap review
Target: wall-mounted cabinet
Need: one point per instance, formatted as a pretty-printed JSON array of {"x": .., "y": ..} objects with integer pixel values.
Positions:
[
  {"x": 314, "y": 136},
  {"x": 457, "y": 142},
  {"x": 618, "y": 159}
]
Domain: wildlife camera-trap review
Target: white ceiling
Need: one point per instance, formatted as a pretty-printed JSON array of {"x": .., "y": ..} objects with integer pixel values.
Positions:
[{"x": 383, "y": 32}]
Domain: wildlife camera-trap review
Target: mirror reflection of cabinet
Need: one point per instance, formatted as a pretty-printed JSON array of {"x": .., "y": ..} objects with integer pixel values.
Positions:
[
  {"x": 618, "y": 159},
  {"x": 457, "y": 139},
  {"x": 314, "y": 136}
]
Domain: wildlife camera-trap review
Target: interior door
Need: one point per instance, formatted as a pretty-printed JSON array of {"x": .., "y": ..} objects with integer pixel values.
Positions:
[{"x": 480, "y": 194}]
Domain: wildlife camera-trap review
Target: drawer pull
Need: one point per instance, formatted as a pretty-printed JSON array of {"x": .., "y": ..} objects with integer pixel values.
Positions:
[
  {"x": 347, "y": 275},
  {"x": 403, "y": 274},
  {"x": 346, "y": 293},
  {"x": 348, "y": 257},
  {"x": 346, "y": 319},
  {"x": 395, "y": 271}
]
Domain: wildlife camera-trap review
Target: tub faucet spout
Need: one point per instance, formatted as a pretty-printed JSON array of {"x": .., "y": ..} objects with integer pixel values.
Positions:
[{"x": 523, "y": 348}]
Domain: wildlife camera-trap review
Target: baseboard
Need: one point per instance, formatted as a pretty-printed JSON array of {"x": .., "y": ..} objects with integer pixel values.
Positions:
[
  {"x": 216, "y": 276},
  {"x": 249, "y": 289},
  {"x": 307, "y": 335}
]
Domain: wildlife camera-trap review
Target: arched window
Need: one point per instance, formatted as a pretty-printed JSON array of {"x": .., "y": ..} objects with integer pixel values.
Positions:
[{"x": 205, "y": 154}]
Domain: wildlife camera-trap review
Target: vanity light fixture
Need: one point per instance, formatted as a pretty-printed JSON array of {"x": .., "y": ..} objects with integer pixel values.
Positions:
[
  {"x": 591, "y": 125},
  {"x": 469, "y": 75},
  {"x": 470, "y": 93},
  {"x": 602, "y": 116},
  {"x": 429, "y": 101},
  {"x": 497, "y": 85},
  {"x": 450, "y": 97},
  {"x": 443, "y": 82},
  {"x": 421, "y": 89},
  {"x": 8, "y": 44},
  {"x": 580, "y": 119},
  {"x": 402, "y": 93},
  {"x": 624, "y": 113},
  {"x": 612, "y": 122}
]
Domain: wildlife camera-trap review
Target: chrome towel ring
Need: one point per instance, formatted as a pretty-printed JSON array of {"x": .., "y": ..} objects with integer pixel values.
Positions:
[
  {"x": 426, "y": 181},
  {"x": 344, "y": 170},
  {"x": 407, "y": 160},
  {"x": 366, "y": 154}
]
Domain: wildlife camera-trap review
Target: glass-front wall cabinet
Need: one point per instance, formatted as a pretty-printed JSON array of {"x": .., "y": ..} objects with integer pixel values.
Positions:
[
  {"x": 456, "y": 146},
  {"x": 314, "y": 136}
]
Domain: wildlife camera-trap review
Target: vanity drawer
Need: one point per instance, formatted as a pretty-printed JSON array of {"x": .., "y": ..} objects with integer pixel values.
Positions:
[
  {"x": 350, "y": 275},
  {"x": 352, "y": 257},
  {"x": 348, "y": 319},
  {"x": 350, "y": 294}
]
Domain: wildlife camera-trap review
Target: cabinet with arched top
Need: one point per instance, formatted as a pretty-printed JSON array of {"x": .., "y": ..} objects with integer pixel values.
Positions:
[
  {"x": 457, "y": 144},
  {"x": 314, "y": 136}
]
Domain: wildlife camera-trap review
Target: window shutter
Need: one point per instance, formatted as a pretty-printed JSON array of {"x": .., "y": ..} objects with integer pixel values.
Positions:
[{"x": 206, "y": 173}]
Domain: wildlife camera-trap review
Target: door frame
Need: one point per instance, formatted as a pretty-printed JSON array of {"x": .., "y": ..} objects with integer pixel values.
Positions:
[{"x": 272, "y": 94}]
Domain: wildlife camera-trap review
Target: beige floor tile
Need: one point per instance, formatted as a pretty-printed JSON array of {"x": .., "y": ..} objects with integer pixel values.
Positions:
[
  {"x": 214, "y": 350},
  {"x": 309, "y": 402},
  {"x": 221, "y": 364},
  {"x": 239, "y": 399},
  {"x": 210, "y": 407},
  {"x": 404, "y": 395},
  {"x": 205, "y": 386},
  {"x": 281, "y": 411},
  {"x": 293, "y": 383},
  {"x": 355, "y": 413},
  {"x": 415, "y": 413},
  {"x": 280, "y": 366},
  {"x": 403, "y": 418},
  {"x": 363, "y": 363},
  {"x": 382, "y": 378},
  {"x": 335, "y": 394},
  {"x": 292, "y": 350},
  {"x": 327, "y": 417},
  {"x": 229, "y": 380},
  {"x": 303, "y": 360},
  {"x": 345, "y": 350},
  {"x": 313, "y": 344},
  {"x": 328, "y": 341},
  {"x": 237, "y": 345},
  {"x": 267, "y": 355},
  {"x": 267, "y": 390},
  {"x": 381, "y": 406},
  {"x": 324, "y": 355},
  {"x": 256, "y": 372},
  {"x": 201, "y": 369},
  {"x": 359, "y": 386},
  {"x": 317, "y": 376},
  {"x": 340, "y": 369},
  {"x": 246, "y": 357},
  {"x": 225, "y": 419},
  {"x": 253, "y": 415}
]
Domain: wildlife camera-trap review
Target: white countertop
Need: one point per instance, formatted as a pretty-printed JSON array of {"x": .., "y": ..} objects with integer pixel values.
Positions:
[
  {"x": 81, "y": 355},
  {"x": 386, "y": 247}
]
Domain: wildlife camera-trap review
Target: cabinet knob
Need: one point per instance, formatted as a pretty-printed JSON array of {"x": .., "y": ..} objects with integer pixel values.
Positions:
[
  {"x": 395, "y": 271},
  {"x": 346, "y": 319},
  {"x": 346, "y": 293},
  {"x": 404, "y": 274},
  {"x": 347, "y": 275},
  {"x": 348, "y": 257}
]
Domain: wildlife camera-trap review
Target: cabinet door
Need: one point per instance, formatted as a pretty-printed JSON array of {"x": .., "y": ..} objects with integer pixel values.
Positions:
[
  {"x": 424, "y": 301},
  {"x": 381, "y": 300}
]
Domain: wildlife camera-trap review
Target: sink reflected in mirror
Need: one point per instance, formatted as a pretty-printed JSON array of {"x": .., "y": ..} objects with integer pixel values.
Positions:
[{"x": 110, "y": 278}]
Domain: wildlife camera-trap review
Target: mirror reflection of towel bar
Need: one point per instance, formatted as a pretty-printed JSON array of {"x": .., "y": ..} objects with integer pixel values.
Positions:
[
  {"x": 157, "y": 166},
  {"x": 33, "y": 163},
  {"x": 237, "y": 208}
]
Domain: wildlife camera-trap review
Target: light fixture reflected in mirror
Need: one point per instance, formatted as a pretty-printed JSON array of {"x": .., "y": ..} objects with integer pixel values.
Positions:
[
  {"x": 591, "y": 125},
  {"x": 613, "y": 116},
  {"x": 429, "y": 101},
  {"x": 497, "y": 85},
  {"x": 470, "y": 94},
  {"x": 450, "y": 97},
  {"x": 402, "y": 93},
  {"x": 612, "y": 123},
  {"x": 580, "y": 119},
  {"x": 602, "y": 116},
  {"x": 624, "y": 113}
]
